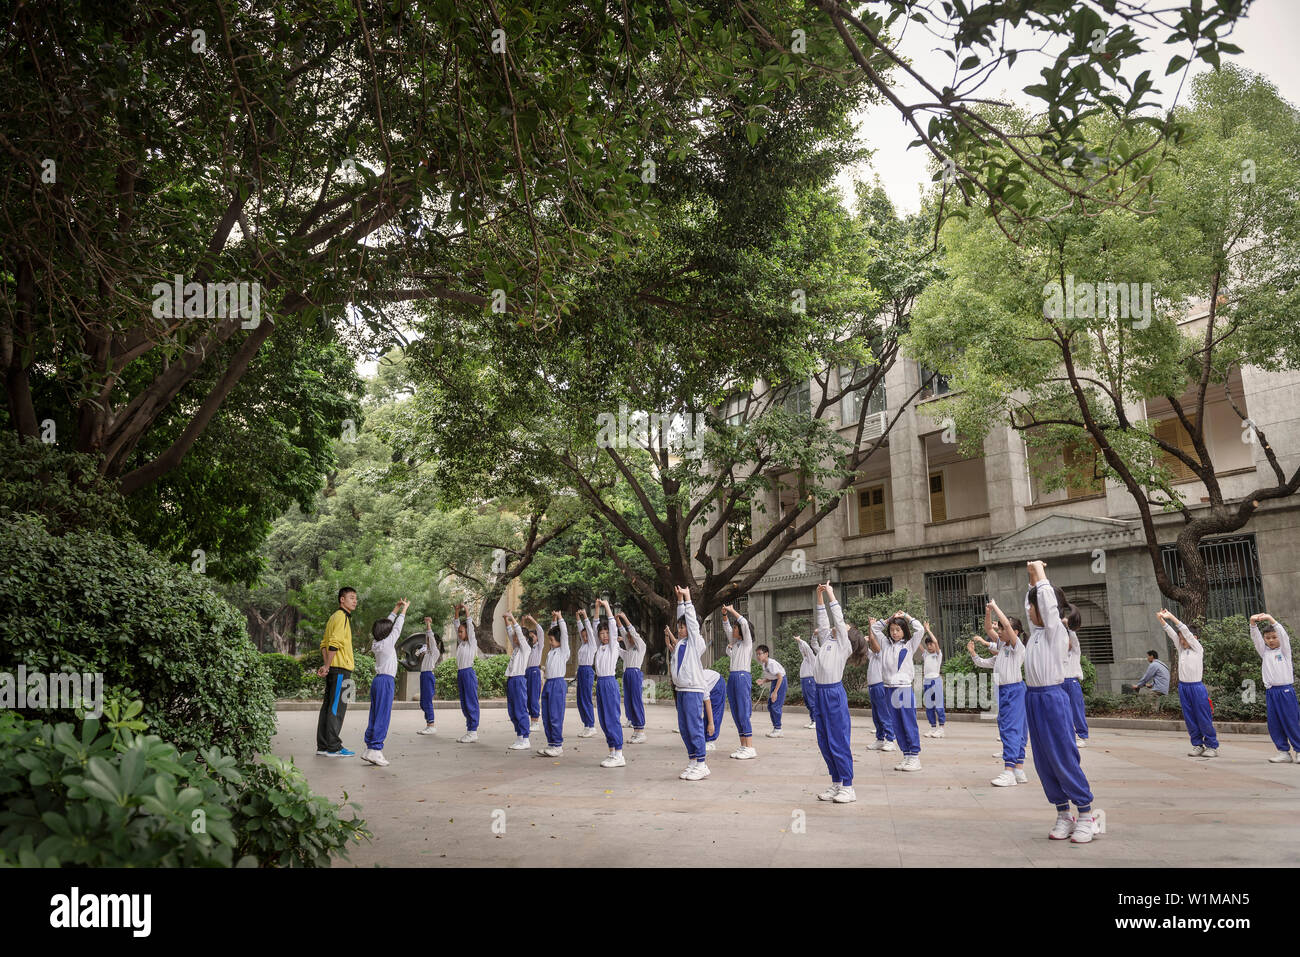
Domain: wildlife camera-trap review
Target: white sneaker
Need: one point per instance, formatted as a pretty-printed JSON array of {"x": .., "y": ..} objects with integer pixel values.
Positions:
[
  {"x": 776, "y": 733},
  {"x": 875, "y": 745},
  {"x": 890, "y": 746},
  {"x": 697, "y": 773},
  {"x": 711, "y": 746},
  {"x": 913, "y": 763},
  {"x": 1080, "y": 742},
  {"x": 829, "y": 793},
  {"x": 1083, "y": 832},
  {"x": 469, "y": 737},
  {"x": 638, "y": 737},
  {"x": 521, "y": 744},
  {"x": 587, "y": 733},
  {"x": 1197, "y": 751},
  {"x": 928, "y": 734},
  {"x": 374, "y": 757},
  {"x": 811, "y": 726},
  {"x": 365, "y": 756},
  {"x": 1021, "y": 778},
  {"x": 845, "y": 796},
  {"x": 427, "y": 729},
  {"x": 1282, "y": 757},
  {"x": 1062, "y": 828},
  {"x": 686, "y": 770},
  {"x": 1211, "y": 753},
  {"x": 745, "y": 754},
  {"x": 551, "y": 751},
  {"x": 615, "y": 760},
  {"x": 939, "y": 733},
  {"x": 1007, "y": 779}
]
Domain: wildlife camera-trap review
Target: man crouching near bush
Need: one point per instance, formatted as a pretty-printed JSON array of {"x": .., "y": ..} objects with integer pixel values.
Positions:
[{"x": 336, "y": 649}]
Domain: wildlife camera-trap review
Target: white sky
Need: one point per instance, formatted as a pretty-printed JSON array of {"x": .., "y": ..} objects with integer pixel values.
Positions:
[{"x": 1267, "y": 38}]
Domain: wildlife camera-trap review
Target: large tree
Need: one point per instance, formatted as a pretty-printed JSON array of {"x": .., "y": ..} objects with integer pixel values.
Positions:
[{"x": 1033, "y": 335}]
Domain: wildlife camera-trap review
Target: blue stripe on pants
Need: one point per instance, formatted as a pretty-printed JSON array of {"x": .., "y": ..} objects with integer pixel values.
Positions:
[
  {"x": 1283, "y": 717},
  {"x": 586, "y": 677},
  {"x": 809, "y": 688},
  {"x": 902, "y": 708},
  {"x": 632, "y": 688},
  {"x": 534, "y": 677},
  {"x": 553, "y": 694},
  {"x": 740, "y": 696},
  {"x": 834, "y": 727},
  {"x": 428, "y": 691},
  {"x": 1074, "y": 689},
  {"x": 517, "y": 704},
  {"x": 607, "y": 703},
  {"x": 690, "y": 722},
  {"x": 882, "y": 715},
  {"x": 718, "y": 702},
  {"x": 467, "y": 689},
  {"x": 776, "y": 703},
  {"x": 381, "y": 710},
  {"x": 1056, "y": 756},
  {"x": 1195, "y": 701},
  {"x": 932, "y": 696},
  {"x": 1011, "y": 723}
]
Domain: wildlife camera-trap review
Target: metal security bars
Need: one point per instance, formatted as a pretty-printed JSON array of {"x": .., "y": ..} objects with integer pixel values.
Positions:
[
  {"x": 866, "y": 589},
  {"x": 1232, "y": 569},
  {"x": 1094, "y": 635},
  {"x": 955, "y": 601}
]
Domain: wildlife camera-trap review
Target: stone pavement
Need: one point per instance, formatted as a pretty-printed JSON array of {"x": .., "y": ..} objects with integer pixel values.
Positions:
[{"x": 444, "y": 804}]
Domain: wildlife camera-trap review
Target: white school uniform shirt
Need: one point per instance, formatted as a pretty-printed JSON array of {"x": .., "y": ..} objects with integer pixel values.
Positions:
[
  {"x": 1278, "y": 671},
  {"x": 931, "y": 663},
  {"x": 634, "y": 656},
  {"x": 385, "y": 650},
  {"x": 809, "y": 662},
  {"x": 467, "y": 650},
  {"x": 1073, "y": 663},
  {"x": 772, "y": 669},
  {"x": 557, "y": 659},
  {"x": 586, "y": 642},
  {"x": 875, "y": 668},
  {"x": 539, "y": 645},
  {"x": 519, "y": 651},
  {"x": 606, "y": 656},
  {"x": 1191, "y": 661},
  {"x": 896, "y": 666},
  {"x": 1005, "y": 664},
  {"x": 428, "y": 652},
  {"x": 1047, "y": 645},
  {"x": 684, "y": 663},
  {"x": 711, "y": 679},
  {"x": 835, "y": 648},
  {"x": 740, "y": 650}
]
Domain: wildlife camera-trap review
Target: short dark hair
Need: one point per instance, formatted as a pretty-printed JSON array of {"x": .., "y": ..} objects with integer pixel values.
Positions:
[
  {"x": 1266, "y": 628},
  {"x": 1155, "y": 654},
  {"x": 1074, "y": 621},
  {"x": 381, "y": 629},
  {"x": 764, "y": 649},
  {"x": 344, "y": 590}
]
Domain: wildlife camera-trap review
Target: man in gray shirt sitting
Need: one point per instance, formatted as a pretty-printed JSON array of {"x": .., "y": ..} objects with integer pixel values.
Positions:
[{"x": 1156, "y": 678}]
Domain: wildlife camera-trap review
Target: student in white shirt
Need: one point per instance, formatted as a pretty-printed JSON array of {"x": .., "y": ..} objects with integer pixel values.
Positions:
[
  {"x": 604, "y": 663},
  {"x": 1274, "y": 647},
  {"x": 882, "y": 715},
  {"x": 1198, "y": 715},
  {"x": 384, "y": 633},
  {"x": 932, "y": 683},
  {"x": 684, "y": 650},
  {"x": 897, "y": 648},
  {"x": 466, "y": 678},
  {"x": 740, "y": 690},
  {"x": 430, "y": 654},
  {"x": 1074, "y": 681},
  {"x": 517, "y": 683},
  {"x": 555, "y": 690},
  {"x": 715, "y": 707},
  {"x": 1008, "y": 636},
  {"x": 586, "y": 674},
  {"x": 834, "y": 724},
  {"x": 533, "y": 675},
  {"x": 807, "y": 683},
  {"x": 632, "y": 652},
  {"x": 774, "y": 675},
  {"x": 1047, "y": 708}
]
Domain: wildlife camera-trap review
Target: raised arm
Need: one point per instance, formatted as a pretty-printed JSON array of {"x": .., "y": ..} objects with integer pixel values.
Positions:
[
  {"x": 918, "y": 632},
  {"x": 979, "y": 662},
  {"x": 988, "y": 621},
  {"x": 805, "y": 649},
  {"x": 875, "y": 635},
  {"x": 1012, "y": 638}
]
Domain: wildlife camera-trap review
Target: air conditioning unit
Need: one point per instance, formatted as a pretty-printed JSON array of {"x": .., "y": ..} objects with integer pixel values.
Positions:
[{"x": 873, "y": 426}]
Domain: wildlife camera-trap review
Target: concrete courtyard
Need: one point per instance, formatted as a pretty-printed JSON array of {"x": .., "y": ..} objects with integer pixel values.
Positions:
[{"x": 443, "y": 804}]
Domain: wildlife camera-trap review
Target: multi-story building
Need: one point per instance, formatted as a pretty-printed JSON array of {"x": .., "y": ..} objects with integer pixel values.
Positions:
[{"x": 959, "y": 529}]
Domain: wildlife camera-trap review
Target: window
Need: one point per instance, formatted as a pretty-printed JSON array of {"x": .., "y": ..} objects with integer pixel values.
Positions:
[
  {"x": 1173, "y": 432},
  {"x": 740, "y": 528},
  {"x": 938, "y": 386},
  {"x": 851, "y": 404},
  {"x": 1094, "y": 634},
  {"x": 798, "y": 398},
  {"x": 1081, "y": 465},
  {"x": 850, "y": 591},
  {"x": 871, "y": 510},
  {"x": 790, "y": 497},
  {"x": 938, "y": 505},
  {"x": 956, "y": 602},
  {"x": 734, "y": 409},
  {"x": 1232, "y": 570}
]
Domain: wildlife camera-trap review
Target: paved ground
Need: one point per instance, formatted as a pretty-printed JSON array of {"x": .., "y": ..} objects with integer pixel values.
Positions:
[{"x": 443, "y": 804}]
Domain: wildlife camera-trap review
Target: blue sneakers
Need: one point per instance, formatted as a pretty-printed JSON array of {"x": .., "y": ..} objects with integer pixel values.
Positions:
[{"x": 340, "y": 753}]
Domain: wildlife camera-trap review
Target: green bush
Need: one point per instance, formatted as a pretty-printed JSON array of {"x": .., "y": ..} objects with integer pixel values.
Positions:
[
  {"x": 491, "y": 674},
  {"x": 105, "y": 796},
  {"x": 287, "y": 674},
  {"x": 363, "y": 673},
  {"x": 88, "y": 602},
  {"x": 65, "y": 489},
  {"x": 1089, "y": 682},
  {"x": 859, "y": 610}
]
